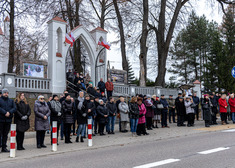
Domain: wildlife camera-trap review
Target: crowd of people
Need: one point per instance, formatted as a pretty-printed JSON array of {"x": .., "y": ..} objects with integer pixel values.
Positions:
[{"x": 143, "y": 112}]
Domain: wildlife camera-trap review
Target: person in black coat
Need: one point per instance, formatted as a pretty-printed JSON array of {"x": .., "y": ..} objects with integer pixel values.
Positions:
[
  {"x": 68, "y": 110},
  {"x": 7, "y": 109},
  {"x": 101, "y": 85},
  {"x": 181, "y": 111},
  {"x": 214, "y": 103},
  {"x": 21, "y": 119},
  {"x": 91, "y": 90},
  {"x": 62, "y": 123},
  {"x": 134, "y": 115},
  {"x": 112, "y": 110},
  {"x": 56, "y": 113},
  {"x": 103, "y": 114},
  {"x": 96, "y": 118}
]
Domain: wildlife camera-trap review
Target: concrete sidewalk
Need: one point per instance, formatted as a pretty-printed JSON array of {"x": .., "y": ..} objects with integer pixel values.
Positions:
[{"x": 118, "y": 139}]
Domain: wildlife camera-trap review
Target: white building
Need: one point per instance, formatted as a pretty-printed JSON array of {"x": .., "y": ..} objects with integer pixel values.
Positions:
[{"x": 4, "y": 45}]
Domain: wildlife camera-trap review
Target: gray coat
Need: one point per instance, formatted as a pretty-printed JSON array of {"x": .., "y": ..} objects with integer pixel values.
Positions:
[
  {"x": 41, "y": 110},
  {"x": 188, "y": 107},
  {"x": 124, "y": 109}
]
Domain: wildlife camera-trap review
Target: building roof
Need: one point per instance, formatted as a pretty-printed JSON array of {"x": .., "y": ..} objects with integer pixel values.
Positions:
[
  {"x": 100, "y": 29},
  {"x": 57, "y": 18},
  {"x": 1, "y": 32},
  {"x": 197, "y": 82}
]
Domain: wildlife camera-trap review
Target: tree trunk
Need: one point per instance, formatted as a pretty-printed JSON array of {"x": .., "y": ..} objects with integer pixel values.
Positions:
[
  {"x": 102, "y": 17},
  {"x": 143, "y": 47},
  {"x": 12, "y": 38},
  {"x": 122, "y": 36},
  {"x": 163, "y": 45}
]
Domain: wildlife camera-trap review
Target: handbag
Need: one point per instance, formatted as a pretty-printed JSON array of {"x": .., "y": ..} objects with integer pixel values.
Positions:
[{"x": 160, "y": 106}]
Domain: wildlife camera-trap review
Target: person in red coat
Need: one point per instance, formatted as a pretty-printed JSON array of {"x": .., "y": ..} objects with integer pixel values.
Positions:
[
  {"x": 109, "y": 88},
  {"x": 223, "y": 109},
  {"x": 231, "y": 102}
]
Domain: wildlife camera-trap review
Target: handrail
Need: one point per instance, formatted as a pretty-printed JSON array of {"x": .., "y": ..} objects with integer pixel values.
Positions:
[{"x": 76, "y": 90}]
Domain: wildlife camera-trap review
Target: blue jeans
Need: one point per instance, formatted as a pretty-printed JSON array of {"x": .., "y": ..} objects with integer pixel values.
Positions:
[
  {"x": 81, "y": 130},
  {"x": 233, "y": 117},
  {"x": 134, "y": 123},
  {"x": 110, "y": 125}
]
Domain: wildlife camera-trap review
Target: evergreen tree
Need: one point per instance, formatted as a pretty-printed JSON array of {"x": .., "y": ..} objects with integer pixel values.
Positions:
[{"x": 130, "y": 73}]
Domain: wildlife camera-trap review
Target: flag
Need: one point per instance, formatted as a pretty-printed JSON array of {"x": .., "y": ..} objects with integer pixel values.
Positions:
[
  {"x": 104, "y": 44},
  {"x": 72, "y": 36},
  {"x": 69, "y": 40}
]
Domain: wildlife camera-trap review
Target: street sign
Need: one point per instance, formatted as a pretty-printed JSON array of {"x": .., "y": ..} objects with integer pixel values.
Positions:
[{"x": 233, "y": 72}]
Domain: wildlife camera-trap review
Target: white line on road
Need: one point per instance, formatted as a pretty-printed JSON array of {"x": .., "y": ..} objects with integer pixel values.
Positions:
[
  {"x": 163, "y": 162},
  {"x": 213, "y": 150},
  {"x": 230, "y": 130}
]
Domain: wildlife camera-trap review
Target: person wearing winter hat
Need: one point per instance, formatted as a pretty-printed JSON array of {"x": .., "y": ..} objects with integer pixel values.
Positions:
[
  {"x": 56, "y": 113},
  {"x": 7, "y": 109},
  {"x": 42, "y": 112}
]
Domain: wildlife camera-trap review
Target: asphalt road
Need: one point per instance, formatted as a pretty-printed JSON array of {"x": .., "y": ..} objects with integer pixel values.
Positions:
[{"x": 204, "y": 150}]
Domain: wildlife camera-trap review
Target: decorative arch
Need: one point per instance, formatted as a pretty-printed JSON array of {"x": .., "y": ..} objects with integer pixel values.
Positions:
[{"x": 88, "y": 41}]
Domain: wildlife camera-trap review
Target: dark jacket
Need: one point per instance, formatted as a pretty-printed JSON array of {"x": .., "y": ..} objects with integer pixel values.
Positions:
[
  {"x": 165, "y": 104},
  {"x": 196, "y": 100},
  {"x": 101, "y": 86},
  {"x": 134, "y": 111},
  {"x": 55, "y": 107},
  {"x": 22, "y": 109},
  {"x": 156, "y": 110},
  {"x": 6, "y": 105},
  {"x": 68, "y": 112},
  {"x": 101, "y": 111},
  {"x": 41, "y": 109},
  {"x": 98, "y": 95},
  {"x": 206, "y": 108},
  {"x": 117, "y": 104},
  {"x": 87, "y": 104},
  {"x": 180, "y": 107},
  {"x": 91, "y": 91},
  {"x": 104, "y": 99},
  {"x": 112, "y": 108},
  {"x": 214, "y": 103}
]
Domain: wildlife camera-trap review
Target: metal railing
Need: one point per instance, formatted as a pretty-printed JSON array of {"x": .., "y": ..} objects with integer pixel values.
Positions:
[{"x": 30, "y": 84}]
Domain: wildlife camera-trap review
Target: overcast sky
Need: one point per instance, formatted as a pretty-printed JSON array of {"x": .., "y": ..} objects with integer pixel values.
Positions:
[{"x": 200, "y": 7}]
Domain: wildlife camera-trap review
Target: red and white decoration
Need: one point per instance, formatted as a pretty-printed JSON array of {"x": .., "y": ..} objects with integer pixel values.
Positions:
[
  {"x": 69, "y": 38},
  {"x": 13, "y": 141},
  {"x": 104, "y": 44},
  {"x": 54, "y": 136},
  {"x": 89, "y": 132}
]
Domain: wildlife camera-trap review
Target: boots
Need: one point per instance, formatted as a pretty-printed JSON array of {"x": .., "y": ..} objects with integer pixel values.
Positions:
[
  {"x": 81, "y": 139},
  {"x": 77, "y": 139}
]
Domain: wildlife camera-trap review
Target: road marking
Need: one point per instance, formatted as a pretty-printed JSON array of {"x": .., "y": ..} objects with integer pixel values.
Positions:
[
  {"x": 213, "y": 150},
  {"x": 230, "y": 130},
  {"x": 155, "y": 164}
]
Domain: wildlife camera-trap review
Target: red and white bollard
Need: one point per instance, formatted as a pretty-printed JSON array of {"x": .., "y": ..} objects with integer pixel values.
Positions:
[
  {"x": 54, "y": 136},
  {"x": 13, "y": 141},
  {"x": 89, "y": 132}
]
